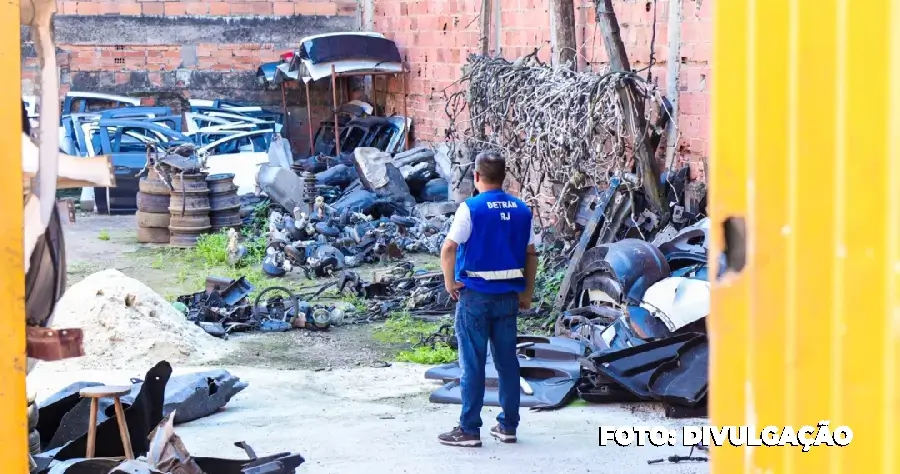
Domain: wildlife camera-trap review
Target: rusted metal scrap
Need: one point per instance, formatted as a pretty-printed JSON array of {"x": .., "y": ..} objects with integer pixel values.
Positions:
[{"x": 54, "y": 344}]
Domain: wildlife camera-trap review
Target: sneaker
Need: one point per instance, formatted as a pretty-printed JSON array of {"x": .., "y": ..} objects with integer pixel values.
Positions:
[
  {"x": 457, "y": 437},
  {"x": 503, "y": 434}
]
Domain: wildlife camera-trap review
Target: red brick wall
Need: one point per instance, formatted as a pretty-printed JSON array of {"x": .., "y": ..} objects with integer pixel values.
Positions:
[
  {"x": 158, "y": 58},
  {"x": 437, "y": 35},
  {"x": 170, "y": 50},
  {"x": 90, "y": 53},
  {"x": 203, "y": 7}
]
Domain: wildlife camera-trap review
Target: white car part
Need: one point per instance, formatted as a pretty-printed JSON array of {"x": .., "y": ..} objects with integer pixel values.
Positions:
[
  {"x": 244, "y": 165},
  {"x": 280, "y": 152},
  {"x": 678, "y": 301},
  {"x": 103, "y": 96}
]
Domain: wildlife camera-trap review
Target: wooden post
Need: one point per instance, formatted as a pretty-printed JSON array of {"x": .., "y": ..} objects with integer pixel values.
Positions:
[
  {"x": 312, "y": 137},
  {"x": 405, "y": 77},
  {"x": 562, "y": 32},
  {"x": 285, "y": 127},
  {"x": 373, "y": 98},
  {"x": 644, "y": 152},
  {"x": 334, "y": 100},
  {"x": 612, "y": 36},
  {"x": 673, "y": 71},
  {"x": 486, "y": 13}
]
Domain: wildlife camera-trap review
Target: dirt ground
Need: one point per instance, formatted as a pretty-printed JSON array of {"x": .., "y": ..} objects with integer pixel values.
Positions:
[
  {"x": 95, "y": 243},
  {"x": 331, "y": 397}
]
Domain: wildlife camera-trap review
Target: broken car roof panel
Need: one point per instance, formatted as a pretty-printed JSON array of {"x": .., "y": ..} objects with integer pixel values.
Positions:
[
  {"x": 322, "y": 70},
  {"x": 342, "y": 47}
]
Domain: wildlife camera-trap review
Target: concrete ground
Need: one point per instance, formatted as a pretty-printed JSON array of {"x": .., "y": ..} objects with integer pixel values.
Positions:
[{"x": 380, "y": 420}]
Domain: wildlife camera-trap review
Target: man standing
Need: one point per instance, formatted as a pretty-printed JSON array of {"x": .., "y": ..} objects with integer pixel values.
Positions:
[{"x": 489, "y": 264}]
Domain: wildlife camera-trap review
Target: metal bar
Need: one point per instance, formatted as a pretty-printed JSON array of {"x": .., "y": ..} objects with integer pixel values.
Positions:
[
  {"x": 805, "y": 330},
  {"x": 347, "y": 90},
  {"x": 366, "y": 73},
  {"x": 374, "y": 95},
  {"x": 13, "y": 419},
  {"x": 312, "y": 138},
  {"x": 334, "y": 99},
  {"x": 286, "y": 126},
  {"x": 404, "y": 78}
]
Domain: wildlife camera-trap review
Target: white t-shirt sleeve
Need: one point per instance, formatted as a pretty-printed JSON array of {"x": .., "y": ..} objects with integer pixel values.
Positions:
[{"x": 461, "y": 227}]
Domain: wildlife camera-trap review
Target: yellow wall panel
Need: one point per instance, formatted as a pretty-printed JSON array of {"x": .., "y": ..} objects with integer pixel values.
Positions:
[
  {"x": 806, "y": 100},
  {"x": 13, "y": 422}
]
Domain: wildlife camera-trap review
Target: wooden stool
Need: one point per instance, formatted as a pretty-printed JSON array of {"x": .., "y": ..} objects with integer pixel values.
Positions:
[{"x": 95, "y": 394}]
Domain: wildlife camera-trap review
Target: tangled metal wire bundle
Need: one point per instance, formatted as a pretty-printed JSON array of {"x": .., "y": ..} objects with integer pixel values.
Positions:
[{"x": 551, "y": 124}]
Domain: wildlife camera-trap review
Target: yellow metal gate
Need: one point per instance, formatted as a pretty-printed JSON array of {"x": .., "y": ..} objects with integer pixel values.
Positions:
[
  {"x": 13, "y": 422},
  {"x": 805, "y": 117}
]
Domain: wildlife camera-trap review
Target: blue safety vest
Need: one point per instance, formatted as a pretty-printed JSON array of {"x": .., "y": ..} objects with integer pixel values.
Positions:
[{"x": 493, "y": 259}]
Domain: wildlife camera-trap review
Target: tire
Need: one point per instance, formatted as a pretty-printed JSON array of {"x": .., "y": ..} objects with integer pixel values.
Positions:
[
  {"x": 152, "y": 219},
  {"x": 195, "y": 183},
  {"x": 153, "y": 203},
  {"x": 147, "y": 186},
  {"x": 189, "y": 221},
  {"x": 153, "y": 235},
  {"x": 186, "y": 238},
  {"x": 221, "y": 202},
  {"x": 221, "y": 183},
  {"x": 34, "y": 442},
  {"x": 225, "y": 219}
]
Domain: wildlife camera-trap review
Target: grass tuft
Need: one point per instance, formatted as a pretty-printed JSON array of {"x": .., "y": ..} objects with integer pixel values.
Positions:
[{"x": 403, "y": 329}]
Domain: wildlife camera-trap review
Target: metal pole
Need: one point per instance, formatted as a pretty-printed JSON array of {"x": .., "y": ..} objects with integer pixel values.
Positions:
[
  {"x": 334, "y": 98},
  {"x": 374, "y": 80},
  {"x": 408, "y": 122},
  {"x": 13, "y": 420},
  {"x": 312, "y": 138},
  {"x": 286, "y": 126}
]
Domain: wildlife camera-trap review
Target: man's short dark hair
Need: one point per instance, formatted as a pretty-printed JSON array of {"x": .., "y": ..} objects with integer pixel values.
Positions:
[{"x": 491, "y": 167}]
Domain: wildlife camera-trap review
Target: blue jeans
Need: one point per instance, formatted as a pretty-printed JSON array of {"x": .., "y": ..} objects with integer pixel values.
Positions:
[{"x": 483, "y": 318}]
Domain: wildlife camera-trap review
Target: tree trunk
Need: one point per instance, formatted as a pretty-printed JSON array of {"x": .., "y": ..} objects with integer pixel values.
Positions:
[{"x": 644, "y": 151}]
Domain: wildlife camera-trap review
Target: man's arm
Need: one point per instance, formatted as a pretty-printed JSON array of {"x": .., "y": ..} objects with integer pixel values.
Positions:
[
  {"x": 459, "y": 233},
  {"x": 448, "y": 260},
  {"x": 531, "y": 264}
]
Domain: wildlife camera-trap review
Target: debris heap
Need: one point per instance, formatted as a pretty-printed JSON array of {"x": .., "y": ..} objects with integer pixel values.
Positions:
[
  {"x": 629, "y": 316},
  {"x": 127, "y": 325},
  {"x": 374, "y": 209}
]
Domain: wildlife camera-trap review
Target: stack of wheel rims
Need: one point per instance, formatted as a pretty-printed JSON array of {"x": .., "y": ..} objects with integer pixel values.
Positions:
[
  {"x": 224, "y": 203},
  {"x": 153, "y": 210},
  {"x": 188, "y": 209}
]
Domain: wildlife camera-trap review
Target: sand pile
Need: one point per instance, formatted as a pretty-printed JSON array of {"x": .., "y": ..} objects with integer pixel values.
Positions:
[{"x": 129, "y": 326}]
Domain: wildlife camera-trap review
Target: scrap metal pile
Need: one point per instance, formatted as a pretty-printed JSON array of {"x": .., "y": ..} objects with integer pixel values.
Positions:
[
  {"x": 155, "y": 404},
  {"x": 631, "y": 308},
  {"x": 224, "y": 306},
  {"x": 373, "y": 210},
  {"x": 419, "y": 293},
  {"x": 554, "y": 126},
  {"x": 230, "y": 138}
]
